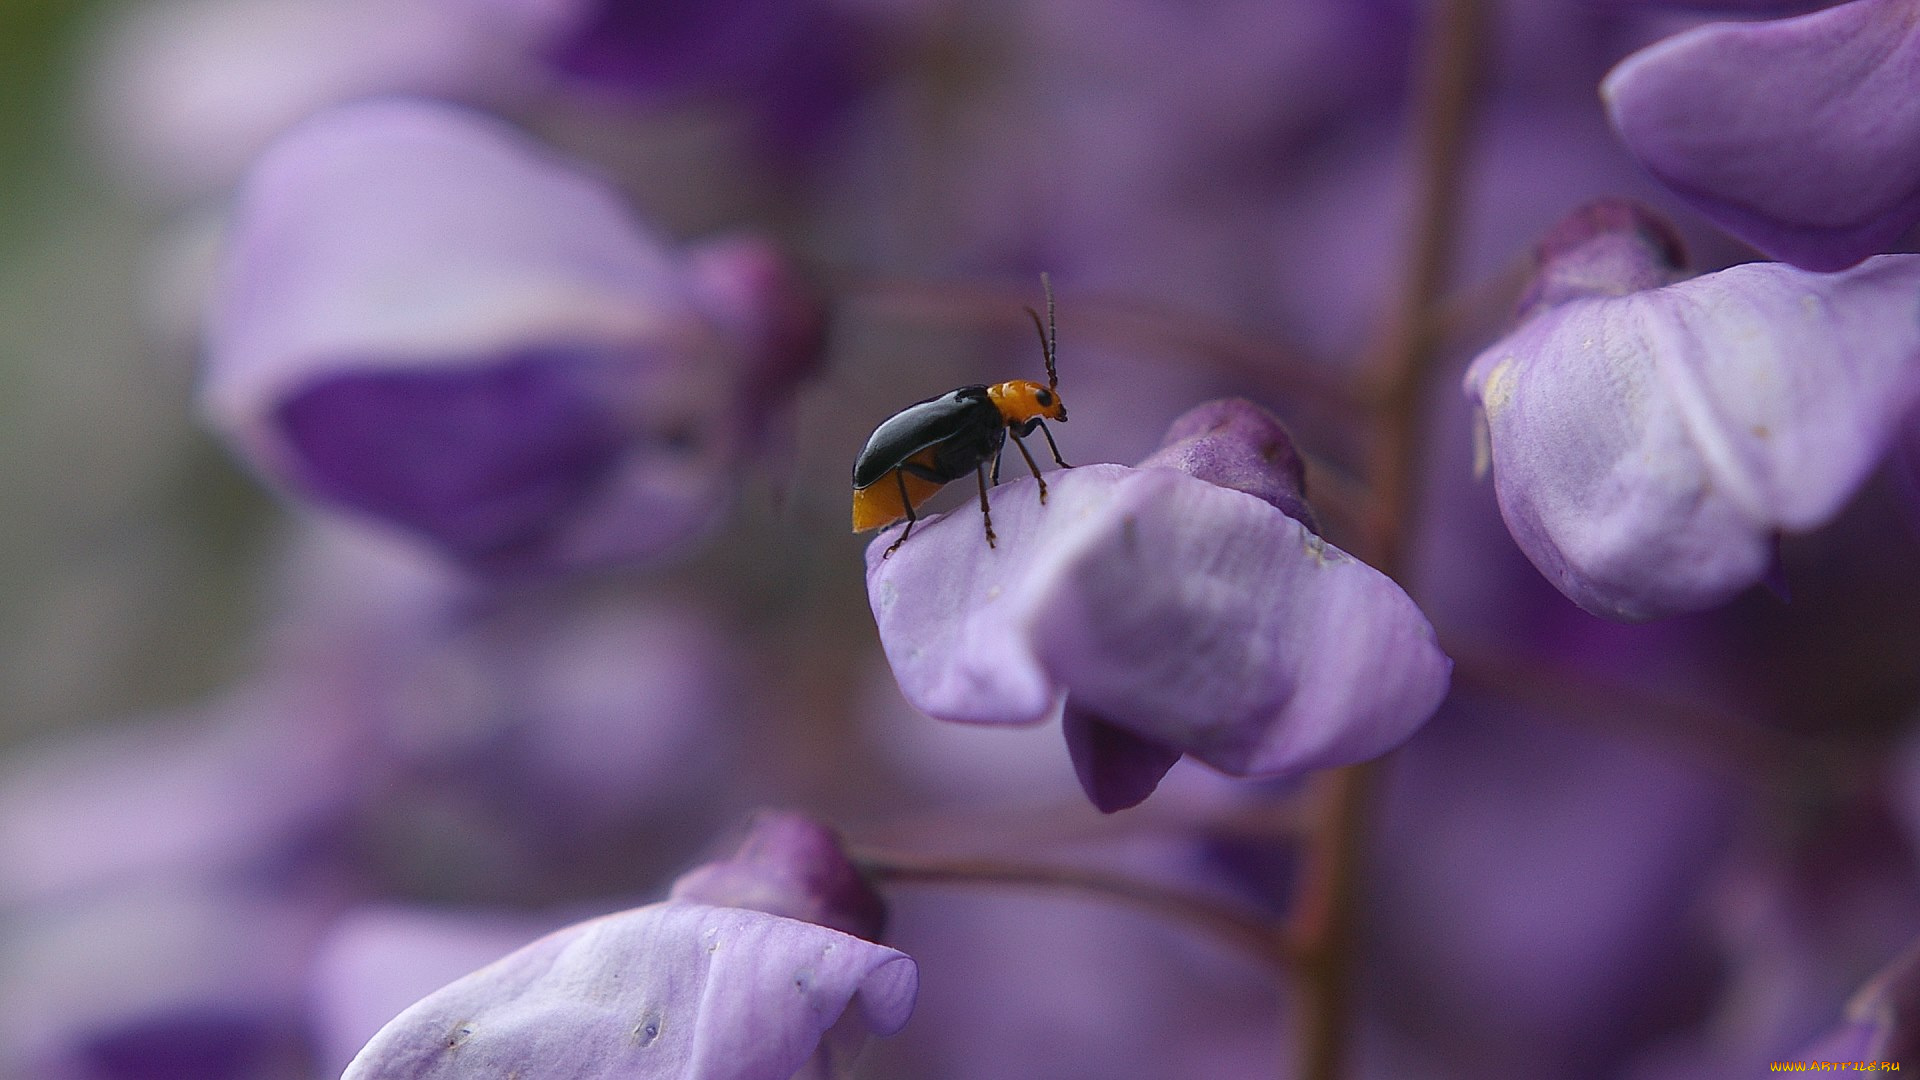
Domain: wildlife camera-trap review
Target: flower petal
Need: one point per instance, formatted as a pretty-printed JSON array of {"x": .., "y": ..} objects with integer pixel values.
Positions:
[
  {"x": 427, "y": 319},
  {"x": 669, "y": 990},
  {"x": 1800, "y": 136},
  {"x": 1116, "y": 768},
  {"x": 1188, "y": 614},
  {"x": 1647, "y": 448}
]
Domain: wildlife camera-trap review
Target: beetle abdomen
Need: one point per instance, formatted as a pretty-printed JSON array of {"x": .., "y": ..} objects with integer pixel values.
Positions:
[{"x": 879, "y": 503}]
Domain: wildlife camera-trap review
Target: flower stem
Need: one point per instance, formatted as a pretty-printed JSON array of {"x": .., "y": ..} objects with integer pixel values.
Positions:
[
  {"x": 1327, "y": 920},
  {"x": 1402, "y": 364},
  {"x": 1241, "y": 929},
  {"x": 1117, "y": 321}
]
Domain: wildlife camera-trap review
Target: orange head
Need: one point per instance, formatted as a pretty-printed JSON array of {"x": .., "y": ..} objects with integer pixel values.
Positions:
[
  {"x": 1024, "y": 404},
  {"x": 1021, "y": 402}
]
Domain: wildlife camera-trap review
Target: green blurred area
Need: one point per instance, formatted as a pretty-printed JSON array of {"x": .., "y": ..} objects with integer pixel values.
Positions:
[
  {"x": 127, "y": 537},
  {"x": 39, "y": 42}
]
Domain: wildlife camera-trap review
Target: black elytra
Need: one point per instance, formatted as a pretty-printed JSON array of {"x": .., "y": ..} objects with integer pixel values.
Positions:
[{"x": 932, "y": 443}]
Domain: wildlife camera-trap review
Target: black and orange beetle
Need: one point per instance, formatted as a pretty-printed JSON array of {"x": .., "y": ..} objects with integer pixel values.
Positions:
[{"x": 928, "y": 445}]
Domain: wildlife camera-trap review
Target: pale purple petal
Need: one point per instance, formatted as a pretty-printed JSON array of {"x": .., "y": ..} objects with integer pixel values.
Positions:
[
  {"x": 1648, "y": 448},
  {"x": 1190, "y": 615},
  {"x": 1801, "y": 136},
  {"x": 669, "y": 990},
  {"x": 431, "y": 322}
]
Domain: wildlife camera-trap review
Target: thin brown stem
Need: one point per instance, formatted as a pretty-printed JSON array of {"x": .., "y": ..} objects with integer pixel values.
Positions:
[
  {"x": 1708, "y": 736},
  {"x": 1328, "y": 921},
  {"x": 1239, "y": 928},
  {"x": 1136, "y": 325},
  {"x": 1400, "y": 370}
]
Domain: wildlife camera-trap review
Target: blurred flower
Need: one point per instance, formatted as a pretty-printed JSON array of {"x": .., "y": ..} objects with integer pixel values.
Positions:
[
  {"x": 188, "y": 91},
  {"x": 428, "y": 321},
  {"x": 1800, "y": 136},
  {"x": 678, "y": 988},
  {"x": 238, "y": 785},
  {"x": 1535, "y": 891},
  {"x": 794, "y": 64},
  {"x": 1077, "y": 989},
  {"x": 1172, "y": 615},
  {"x": 179, "y": 977},
  {"x": 1882, "y": 1021},
  {"x": 1818, "y": 896},
  {"x": 1649, "y": 443},
  {"x": 529, "y": 747}
]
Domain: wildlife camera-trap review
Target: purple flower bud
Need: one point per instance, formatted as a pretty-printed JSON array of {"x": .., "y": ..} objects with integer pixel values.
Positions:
[
  {"x": 1649, "y": 447},
  {"x": 793, "y": 866},
  {"x": 1610, "y": 247},
  {"x": 428, "y": 321},
  {"x": 674, "y": 989},
  {"x": 1236, "y": 444},
  {"x": 1170, "y": 615},
  {"x": 1800, "y": 136}
]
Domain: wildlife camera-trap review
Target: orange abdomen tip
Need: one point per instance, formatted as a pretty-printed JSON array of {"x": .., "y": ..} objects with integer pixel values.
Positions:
[{"x": 879, "y": 503}]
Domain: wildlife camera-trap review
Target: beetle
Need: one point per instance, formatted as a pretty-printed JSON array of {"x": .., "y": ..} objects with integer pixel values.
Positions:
[{"x": 929, "y": 444}]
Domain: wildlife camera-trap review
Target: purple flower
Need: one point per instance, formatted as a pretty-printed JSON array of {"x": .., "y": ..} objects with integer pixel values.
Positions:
[
  {"x": 535, "y": 744},
  {"x": 1171, "y": 615},
  {"x": 1534, "y": 886},
  {"x": 796, "y": 63},
  {"x": 230, "y": 787},
  {"x": 1801, "y": 136},
  {"x": 188, "y": 91},
  {"x": 1650, "y": 442},
  {"x": 679, "y": 988},
  {"x": 428, "y": 321},
  {"x": 174, "y": 977}
]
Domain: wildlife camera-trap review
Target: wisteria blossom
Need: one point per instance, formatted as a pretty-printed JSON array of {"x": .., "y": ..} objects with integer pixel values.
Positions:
[
  {"x": 1650, "y": 440},
  {"x": 1175, "y": 608},
  {"x": 708, "y": 983},
  {"x": 1799, "y": 136},
  {"x": 1479, "y": 633},
  {"x": 427, "y": 320}
]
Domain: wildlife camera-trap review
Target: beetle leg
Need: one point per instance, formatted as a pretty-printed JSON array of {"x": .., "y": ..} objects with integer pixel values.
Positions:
[
  {"x": 1031, "y": 465},
  {"x": 1052, "y": 447},
  {"x": 986, "y": 515},
  {"x": 996, "y": 463},
  {"x": 900, "y": 477}
]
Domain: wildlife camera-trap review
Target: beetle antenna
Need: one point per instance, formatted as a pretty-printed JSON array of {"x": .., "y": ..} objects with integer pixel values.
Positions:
[{"x": 1047, "y": 338}]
